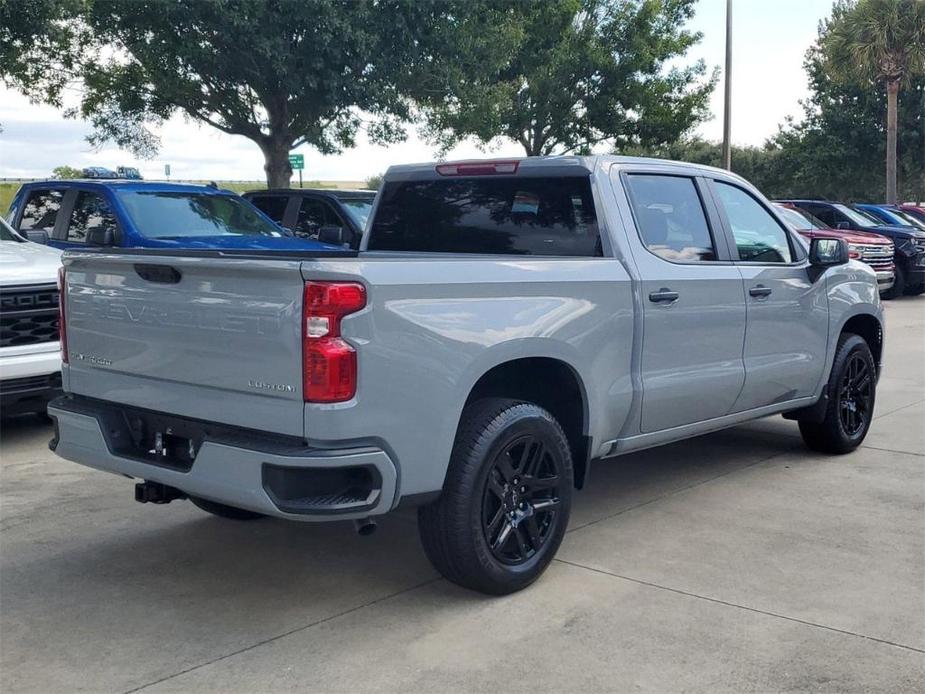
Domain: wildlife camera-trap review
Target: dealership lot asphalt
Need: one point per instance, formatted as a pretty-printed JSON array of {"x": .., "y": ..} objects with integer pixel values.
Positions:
[{"x": 737, "y": 561}]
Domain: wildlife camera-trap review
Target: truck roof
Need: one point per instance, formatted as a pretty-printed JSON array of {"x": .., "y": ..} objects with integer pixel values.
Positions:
[
  {"x": 342, "y": 193},
  {"x": 128, "y": 184},
  {"x": 551, "y": 165}
]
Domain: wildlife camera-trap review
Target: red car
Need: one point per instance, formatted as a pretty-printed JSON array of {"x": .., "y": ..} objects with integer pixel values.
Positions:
[
  {"x": 916, "y": 210},
  {"x": 873, "y": 249}
]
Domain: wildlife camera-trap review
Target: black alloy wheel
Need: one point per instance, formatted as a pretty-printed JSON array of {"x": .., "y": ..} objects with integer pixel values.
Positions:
[
  {"x": 520, "y": 502},
  {"x": 850, "y": 398},
  {"x": 855, "y": 395},
  {"x": 506, "y": 499}
]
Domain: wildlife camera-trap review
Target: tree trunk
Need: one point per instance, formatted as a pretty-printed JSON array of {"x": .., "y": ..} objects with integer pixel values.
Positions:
[
  {"x": 276, "y": 163},
  {"x": 892, "y": 90}
]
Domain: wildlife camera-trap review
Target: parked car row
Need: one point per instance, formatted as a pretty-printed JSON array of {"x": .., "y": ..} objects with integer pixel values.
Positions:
[
  {"x": 902, "y": 226},
  {"x": 129, "y": 172}
]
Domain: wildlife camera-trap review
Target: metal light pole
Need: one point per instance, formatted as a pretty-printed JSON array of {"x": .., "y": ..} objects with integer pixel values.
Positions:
[{"x": 727, "y": 106}]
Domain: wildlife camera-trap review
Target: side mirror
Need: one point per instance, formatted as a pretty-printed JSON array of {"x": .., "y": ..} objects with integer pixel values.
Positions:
[
  {"x": 825, "y": 253},
  {"x": 332, "y": 235},
  {"x": 100, "y": 236},
  {"x": 36, "y": 236},
  {"x": 842, "y": 225}
]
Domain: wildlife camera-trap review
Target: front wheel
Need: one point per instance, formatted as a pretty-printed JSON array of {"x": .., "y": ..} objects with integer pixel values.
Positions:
[
  {"x": 506, "y": 499},
  {"x": 916, "y": 290},
  {"x": 851, "y": 394}
]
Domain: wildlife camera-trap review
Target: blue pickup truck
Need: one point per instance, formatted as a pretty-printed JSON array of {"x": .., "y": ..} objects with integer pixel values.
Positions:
[{"x": 141, "y": 214}]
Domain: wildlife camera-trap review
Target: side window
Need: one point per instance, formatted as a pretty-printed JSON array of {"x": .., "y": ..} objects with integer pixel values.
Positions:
[
  {"x": 332, "y": 218},
  {"x": 273, "y": 206},
  {"x": 311, "y": 218},
  {"x": 759, "y": 237},
  {"x": 90, "y": 211},
  {"x": 826, "y": 214},
  {"x": 41, "y": 210},
  {"x": 670, "y": 217}
]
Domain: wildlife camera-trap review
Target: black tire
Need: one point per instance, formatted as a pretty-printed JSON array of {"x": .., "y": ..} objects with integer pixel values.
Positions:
[
  {"x": 916, "y": 290},
  {"x": 223, "y": 511},
  {"x": 852, "y": 393},
  {"x": 899, "y": 284},
  {"x": 510, "y": 472}
]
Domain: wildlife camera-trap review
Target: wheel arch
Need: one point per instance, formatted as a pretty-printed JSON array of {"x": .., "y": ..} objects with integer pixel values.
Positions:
[
  {"x": 552, "y": 383},
  {"x": 868, "y": 327}
]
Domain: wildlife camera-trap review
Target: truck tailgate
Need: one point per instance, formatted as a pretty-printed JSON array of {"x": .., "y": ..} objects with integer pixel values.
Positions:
[{"x": 214, "y": 338}]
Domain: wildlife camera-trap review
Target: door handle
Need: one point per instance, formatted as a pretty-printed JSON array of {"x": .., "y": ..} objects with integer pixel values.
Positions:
[
  {"x": 663, "y": 296},
  {"x": 760, "y": 291},
  {"x": 164, "y": 274}
]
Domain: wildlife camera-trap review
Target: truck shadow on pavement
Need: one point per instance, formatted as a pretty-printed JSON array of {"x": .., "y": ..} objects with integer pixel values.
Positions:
[{"x": 199, "y": 586}]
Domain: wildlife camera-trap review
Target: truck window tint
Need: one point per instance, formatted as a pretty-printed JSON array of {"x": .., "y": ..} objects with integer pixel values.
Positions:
[
  {"x": 273, "y": 206},
  {"x": 759, "y": 237},
  {"x": 41, "y": 210},
  {"x": 169, "y": 215},
  {"x": 825, "y": 214},
  {"x": 90, "y": 211},
  {"x": 312, "y": 216},
  {"x": 508, "y": 216},
  {"x": 670, "y": 217}
]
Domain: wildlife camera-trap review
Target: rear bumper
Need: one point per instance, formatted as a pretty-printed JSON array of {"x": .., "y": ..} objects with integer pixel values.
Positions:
[{"x": 243, "y": 469}]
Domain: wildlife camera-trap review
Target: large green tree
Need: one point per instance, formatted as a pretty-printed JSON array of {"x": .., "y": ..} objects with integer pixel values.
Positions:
[
  {"x": 838, "y": 148},
  {"x": 39, "y": 46},
  {"x": 583, "y": 72},
  {"x": 877, "y": 42},
  {"x": 282, "y": 73}
]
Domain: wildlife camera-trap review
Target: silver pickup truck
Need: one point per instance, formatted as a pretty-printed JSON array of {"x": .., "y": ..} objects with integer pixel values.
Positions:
[{"x": 502, "y": 326}]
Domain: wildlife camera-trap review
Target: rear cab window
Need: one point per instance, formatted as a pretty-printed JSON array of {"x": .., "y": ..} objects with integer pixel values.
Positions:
[
  {"x": 546, "y": 216},
  {"x": 40, "y": 210}
]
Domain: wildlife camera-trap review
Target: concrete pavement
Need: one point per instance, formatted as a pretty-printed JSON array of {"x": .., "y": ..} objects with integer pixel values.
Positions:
[{"x": 738, "y": 561}]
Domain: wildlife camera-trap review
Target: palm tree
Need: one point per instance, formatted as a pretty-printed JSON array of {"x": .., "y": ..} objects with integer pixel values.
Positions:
[{"x": 878, "y": 41}]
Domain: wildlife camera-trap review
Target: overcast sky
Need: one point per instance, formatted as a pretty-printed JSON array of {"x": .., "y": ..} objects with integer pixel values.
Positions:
[{"x": 768, "y": 82}]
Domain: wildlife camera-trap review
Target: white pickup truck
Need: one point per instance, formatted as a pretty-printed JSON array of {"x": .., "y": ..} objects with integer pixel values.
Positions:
[{"x": 30, "y": 356}]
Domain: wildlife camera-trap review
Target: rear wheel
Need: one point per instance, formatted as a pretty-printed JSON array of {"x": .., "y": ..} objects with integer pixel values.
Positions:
[
  {"x": 506, "y": 499},
  {"x": 899, "y": 284},
  {"x": 851, "y": 396},
  {"x": 916, "y": 290},
  {"x": 223, "y": 511}
]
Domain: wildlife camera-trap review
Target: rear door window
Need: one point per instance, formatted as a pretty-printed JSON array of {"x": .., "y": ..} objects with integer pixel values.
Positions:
[
  {"x": 491, "y": 215},
  {"x": 90, "y": 211},
  {"x": 273, "y": 206},
  {"x": 670, "y": 217},
  {"x": 41, "y": 210}
]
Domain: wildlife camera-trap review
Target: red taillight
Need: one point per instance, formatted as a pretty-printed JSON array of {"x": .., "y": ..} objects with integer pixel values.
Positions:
[
  {"x": 854, "y": 255},
  {"x": 329, "y": 363},
  {"x": 478, "y": 168},
  {"x": 62, "y": 324}
]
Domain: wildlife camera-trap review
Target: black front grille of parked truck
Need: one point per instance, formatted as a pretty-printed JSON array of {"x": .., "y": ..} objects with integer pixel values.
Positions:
[{"x": 28, "y": 315}]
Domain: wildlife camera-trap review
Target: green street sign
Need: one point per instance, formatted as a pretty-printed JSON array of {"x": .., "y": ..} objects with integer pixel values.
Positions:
[{"x": 297, "y": 161}]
